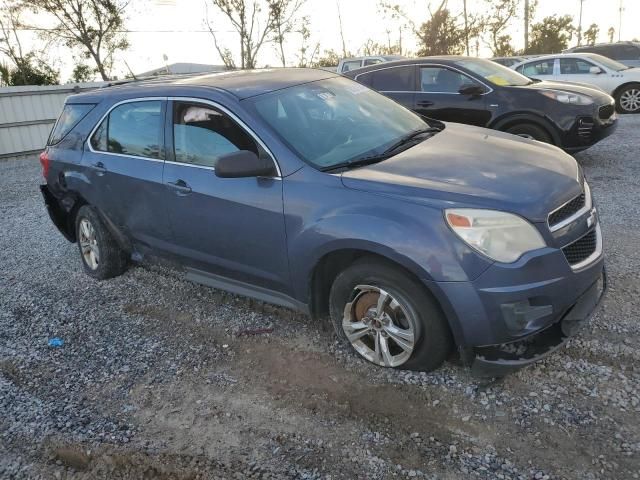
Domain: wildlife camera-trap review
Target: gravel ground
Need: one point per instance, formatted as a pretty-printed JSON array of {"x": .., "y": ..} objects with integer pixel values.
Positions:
[{"x": 161, "y": 378}]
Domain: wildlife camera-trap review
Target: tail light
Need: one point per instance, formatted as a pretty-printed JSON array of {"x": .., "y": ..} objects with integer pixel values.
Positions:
[{"x": 44, "y": 161}]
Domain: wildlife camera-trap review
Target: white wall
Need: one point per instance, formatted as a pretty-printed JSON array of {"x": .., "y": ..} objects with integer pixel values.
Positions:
[{"x": 28, "y": 113}]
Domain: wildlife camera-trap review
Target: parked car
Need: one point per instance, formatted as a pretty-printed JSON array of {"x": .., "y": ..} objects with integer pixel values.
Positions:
[
  {"x": 627, "y": 53},
  {"x": 348, "y": 64},
  {"x": 620, "y": 81},
  {"x": 482, "y": 93},
  {"x": 305, "y": 189},
  {"x": 508, "y": 61}
]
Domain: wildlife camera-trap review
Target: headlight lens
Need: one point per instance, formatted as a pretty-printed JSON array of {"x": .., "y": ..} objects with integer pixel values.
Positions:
[
  {"x": 567, "y": 97},
  {"x": 501, "y": 236}
]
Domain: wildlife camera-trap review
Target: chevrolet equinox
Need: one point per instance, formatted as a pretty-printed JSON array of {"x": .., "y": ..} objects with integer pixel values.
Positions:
[{"x": 308, "y": 190}]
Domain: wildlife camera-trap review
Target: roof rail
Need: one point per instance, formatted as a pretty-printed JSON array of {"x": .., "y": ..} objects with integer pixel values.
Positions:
[{"x": 157, "y": 78}]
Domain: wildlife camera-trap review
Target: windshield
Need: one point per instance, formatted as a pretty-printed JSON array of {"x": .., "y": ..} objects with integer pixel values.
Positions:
[
  {"x": 607, "y": 62},
  {"x": 336, "y": 120},
  {"x": 494, "y": 72}
]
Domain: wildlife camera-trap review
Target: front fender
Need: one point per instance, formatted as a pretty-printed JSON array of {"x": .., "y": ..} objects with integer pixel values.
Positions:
[{"x": 413, "y": 236}]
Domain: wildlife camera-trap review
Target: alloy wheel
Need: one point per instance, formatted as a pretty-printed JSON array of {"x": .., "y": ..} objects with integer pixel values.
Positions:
[
  {"x": 630, "y": 100},
  {"x": 89, "y": 244},
  {"x": 378, "y": 326}
]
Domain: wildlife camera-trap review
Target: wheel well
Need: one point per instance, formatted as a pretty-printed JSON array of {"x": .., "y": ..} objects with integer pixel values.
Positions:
[
  {"x": 624, "y": 85},
  {"x": 78, "y": 202},
  {"x": 328, "y": 268},
  {"x": 509, "y": 122}
]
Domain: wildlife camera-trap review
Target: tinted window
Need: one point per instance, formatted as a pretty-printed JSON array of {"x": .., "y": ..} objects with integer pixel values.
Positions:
[
  {"x": 69, "y": 118},
  {"x": 202, "y": 134},
  {"x": 442, "y": 80},
  {"x": 348, "y": 66},
  {"x": 575, "y": 66},
  {"x": 372, "y": 61},
  {"x": 534, "y": 69},
  {"x": 398, "y": 79},
  {"x": 131, "y": 129},
  {"x": 627, "y": 52}
]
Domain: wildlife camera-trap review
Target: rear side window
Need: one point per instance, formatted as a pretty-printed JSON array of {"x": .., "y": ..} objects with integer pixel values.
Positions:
[
  {"x": 69, "y": 118},
  {"x": 348, "y": 66},
  {"x": 627, "y": 52},
  {"x": 133, "y": 128},
  {"x": 396, "y": 79},
  {"x": 534, "y": 69}
]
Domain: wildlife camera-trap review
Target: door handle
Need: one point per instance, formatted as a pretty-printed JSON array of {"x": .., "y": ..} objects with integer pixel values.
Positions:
[
  {"x": 181, "y": 187},
  {"x": 424, "y": 103},
  {"x": 99, "y": 168}
]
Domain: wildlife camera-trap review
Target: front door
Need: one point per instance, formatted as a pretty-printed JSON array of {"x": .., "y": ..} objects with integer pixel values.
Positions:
[
  {"x": 579, "y": 70},
  {"x": 228, "y": 226},
  {"x": 439, "y": 97}
]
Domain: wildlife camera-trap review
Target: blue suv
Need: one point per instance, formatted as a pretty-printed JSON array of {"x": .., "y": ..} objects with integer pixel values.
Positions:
[{"x": 308, "y": 190}]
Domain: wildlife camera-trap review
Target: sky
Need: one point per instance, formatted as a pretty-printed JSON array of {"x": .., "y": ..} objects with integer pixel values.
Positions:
[{"x": 176, "y": 28}]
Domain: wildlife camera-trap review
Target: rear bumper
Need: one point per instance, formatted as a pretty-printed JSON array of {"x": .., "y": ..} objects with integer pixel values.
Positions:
[{"x": 499, "y": 360}]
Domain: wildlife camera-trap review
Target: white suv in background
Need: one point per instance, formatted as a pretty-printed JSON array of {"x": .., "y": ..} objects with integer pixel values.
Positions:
[
  {"x": 620, "y": 81},
  {"x": 348, "y": 64}
]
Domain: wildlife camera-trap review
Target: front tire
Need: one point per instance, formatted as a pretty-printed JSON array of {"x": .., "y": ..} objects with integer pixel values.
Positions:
[
  {"x": 101, "y": 255},
  {"x": 528, "y": 130},
  {"x": 388, "y": 318},
  {"x": 628, "y": 99}
]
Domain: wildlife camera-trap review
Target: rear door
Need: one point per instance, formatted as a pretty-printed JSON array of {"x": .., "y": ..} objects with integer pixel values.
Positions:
[
  {"x": 439, "y": 96},
  {"x": 398, "y": 83},
  {"x": 229, "y": 226},
  {"x": 124, "y": 161}
]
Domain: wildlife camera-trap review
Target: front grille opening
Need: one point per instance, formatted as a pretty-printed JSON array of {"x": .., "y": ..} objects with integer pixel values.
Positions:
[
  {"x": 567, "y": 210},
  {"x": 581, "y": 249}
]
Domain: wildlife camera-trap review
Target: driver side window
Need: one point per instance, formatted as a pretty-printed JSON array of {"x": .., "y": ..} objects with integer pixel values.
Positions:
[
  {"x": 442, "y": 80},
  {"x": 202, "y": 134}
]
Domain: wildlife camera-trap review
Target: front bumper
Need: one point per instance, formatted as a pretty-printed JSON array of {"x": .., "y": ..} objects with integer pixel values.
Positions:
[
  {"x": 515, "y": 314},
  {"x": 496, "y": 361},
  {"x": 586, "y": 131}
]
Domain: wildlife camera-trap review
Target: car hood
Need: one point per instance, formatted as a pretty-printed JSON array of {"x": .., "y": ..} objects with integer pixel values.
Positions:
[
  {"x": 475, "y": 167},
  {"x": 573, "y": 87}
]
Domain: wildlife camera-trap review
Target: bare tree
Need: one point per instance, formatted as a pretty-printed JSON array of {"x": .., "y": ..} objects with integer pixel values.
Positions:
[
  {"x": 305, "y": 58},
  {"x": 95, "y": 26},
  {"x": 29, "y": 67},
  {"x": 501, "y": 14},
  {"x": 256, "y": 24},
  {"x": 284, "y": 14}
]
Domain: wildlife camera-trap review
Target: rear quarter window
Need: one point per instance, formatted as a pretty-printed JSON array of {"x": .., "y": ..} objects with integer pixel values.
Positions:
[{"x": 71, "y": 115}]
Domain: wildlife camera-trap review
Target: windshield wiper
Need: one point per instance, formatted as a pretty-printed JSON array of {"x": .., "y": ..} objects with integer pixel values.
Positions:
[
  {"x": 370, "y": 159},
  {"x": 409, "y": 137}
]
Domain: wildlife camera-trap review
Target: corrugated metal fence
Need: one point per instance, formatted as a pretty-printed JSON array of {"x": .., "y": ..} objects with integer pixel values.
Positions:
[{"x": 28, "y": 113}]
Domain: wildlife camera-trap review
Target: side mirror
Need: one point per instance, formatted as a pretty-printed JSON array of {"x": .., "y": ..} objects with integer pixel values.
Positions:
[
  {"x": 244, "y": 164},
  {"x": 472, "y": 89},
  {"x": 595, "y": 70}
]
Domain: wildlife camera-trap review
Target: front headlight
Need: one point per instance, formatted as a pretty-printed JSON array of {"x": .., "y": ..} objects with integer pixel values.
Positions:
[
  {"x": 501, "y": 236},
  {"x": 568, "y": 97}
]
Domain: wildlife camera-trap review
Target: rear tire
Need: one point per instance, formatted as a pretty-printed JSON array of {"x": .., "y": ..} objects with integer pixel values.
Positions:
[
  {"x": 409, "y": 329},
  {"x": 531, "y": 131},
  {"x": 101, "y": 255},
  {"x": 628, "y": 99}
]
